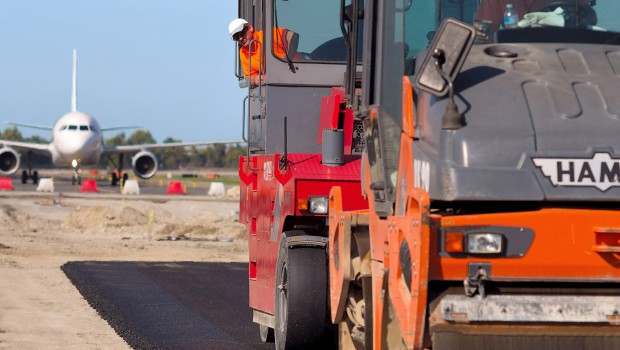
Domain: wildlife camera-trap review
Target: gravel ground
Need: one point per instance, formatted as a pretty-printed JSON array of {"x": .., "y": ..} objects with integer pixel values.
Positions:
[{"x": 40, "y": 308}]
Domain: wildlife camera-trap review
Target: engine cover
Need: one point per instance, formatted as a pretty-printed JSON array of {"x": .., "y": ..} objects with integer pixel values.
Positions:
[
  {"x": 144, "y": 164},
  {"x": 9, "y": 161}
]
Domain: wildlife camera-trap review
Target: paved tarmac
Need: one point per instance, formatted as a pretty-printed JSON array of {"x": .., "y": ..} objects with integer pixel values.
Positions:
[{"x": 171, "y": 305}]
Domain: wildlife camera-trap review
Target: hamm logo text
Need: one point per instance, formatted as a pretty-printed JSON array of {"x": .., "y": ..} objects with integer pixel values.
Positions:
[{"x": 601, "y": 171}]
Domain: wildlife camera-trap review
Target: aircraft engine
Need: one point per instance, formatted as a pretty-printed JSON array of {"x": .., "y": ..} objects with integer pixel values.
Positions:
[
  {"x": 9, "y": 161},
  {"x": 144, "y": 164}
]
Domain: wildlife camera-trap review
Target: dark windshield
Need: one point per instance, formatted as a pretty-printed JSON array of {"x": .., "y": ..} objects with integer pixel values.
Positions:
[
  {"x": 316, "y": 27},
  {"x": 538, "y": 20}
]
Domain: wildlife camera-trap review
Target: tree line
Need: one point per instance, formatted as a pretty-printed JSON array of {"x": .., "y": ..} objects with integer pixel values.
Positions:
[{"x": 213, "y": 156}]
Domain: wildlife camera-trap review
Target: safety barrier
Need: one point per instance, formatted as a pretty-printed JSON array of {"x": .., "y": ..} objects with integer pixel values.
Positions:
[
  {"x": 89, "y": 185},
  {"x": 216, "y": 189},
  {"x": 175, "y": 187},
  {"x": 45, "y": 185},
  {"x": 131, "y": 187},
  {"x": 6, "y": 184}
]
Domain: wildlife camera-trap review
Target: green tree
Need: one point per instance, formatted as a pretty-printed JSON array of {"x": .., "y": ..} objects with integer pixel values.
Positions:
[
  {"x": 36, "y": 139},
  {"x": 172, "y": 158},
  {"x": 117, "y": 140},
  {"x": 232, "y": 156},
  {"x": 216, "y": 155},
  {"x": 197, "y": 158},
  {"x": 139, "y": 137},
  {"x": 12, "y": 134},
  {"x": 112, "y": 162}
]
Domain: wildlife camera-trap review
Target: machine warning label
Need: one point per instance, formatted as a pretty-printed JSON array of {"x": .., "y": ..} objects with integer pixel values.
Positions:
[
  {"x": 268, "y": 170},
  {"x": 601, "y": 171}
]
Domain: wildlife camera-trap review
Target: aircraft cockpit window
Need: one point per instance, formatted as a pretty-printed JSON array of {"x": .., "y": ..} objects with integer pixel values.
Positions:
[
  {"x": 63, "y": 127},
  {"x": 72, "y": 127},
  {"x": 92, "y": 127},
  {"x": 83, "y": 127}
]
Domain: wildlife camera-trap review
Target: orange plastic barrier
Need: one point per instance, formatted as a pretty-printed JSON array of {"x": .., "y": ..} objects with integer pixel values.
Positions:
[
  {"x": 175, "y": 187},
  {"x": 89, "y": 185},
  {"x": 6, "y": 184}
]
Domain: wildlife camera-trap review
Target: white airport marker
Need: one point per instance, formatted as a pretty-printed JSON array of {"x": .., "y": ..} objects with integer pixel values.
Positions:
[
  {"x": 45, "y": 185},
  {"x": 216, "y": 189},
  {"x": 131, "y": 187}
]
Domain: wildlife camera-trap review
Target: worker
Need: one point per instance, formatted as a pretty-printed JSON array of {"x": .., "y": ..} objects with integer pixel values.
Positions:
[
  {"x": 284, "y": 47},
  {"x": 535, "y": 13}
]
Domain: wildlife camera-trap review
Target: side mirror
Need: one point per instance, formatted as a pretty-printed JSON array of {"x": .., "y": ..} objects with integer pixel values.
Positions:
[{"x": 453, "y": 41}]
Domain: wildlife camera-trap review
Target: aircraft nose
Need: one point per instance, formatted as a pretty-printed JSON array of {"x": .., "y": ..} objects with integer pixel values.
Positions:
[{"x": 77, "y": 147}]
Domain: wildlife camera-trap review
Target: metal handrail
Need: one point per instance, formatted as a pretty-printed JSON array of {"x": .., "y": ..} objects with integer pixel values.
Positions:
[
  {"x": 245, "y": 99},
  {"x": 260, "y": 93},
  {"x": 260, "y": 64},
  {"x": 237, "y": 65}
]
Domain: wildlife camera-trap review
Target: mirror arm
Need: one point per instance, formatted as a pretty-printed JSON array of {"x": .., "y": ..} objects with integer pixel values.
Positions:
[{"x": 451, "y": 119}]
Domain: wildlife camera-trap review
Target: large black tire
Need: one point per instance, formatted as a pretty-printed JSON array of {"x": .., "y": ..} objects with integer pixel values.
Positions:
[
  {"x": 35, "y": 177},
  {"x": 114, "y": 179},
  {"x": 302, "y": 320},
  {"x": 24, "y": 177}
]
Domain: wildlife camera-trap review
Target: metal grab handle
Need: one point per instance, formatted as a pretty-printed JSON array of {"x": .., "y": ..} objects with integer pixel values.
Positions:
[
  {"x": 247, "y": 158},
  {"x": 237, "y": 65},
  {"x": 245, "y": 101},
  {"x": 249, "y": 97},
  {"x": 606, "y": 240},
  {"x": 260, "y": 64}
]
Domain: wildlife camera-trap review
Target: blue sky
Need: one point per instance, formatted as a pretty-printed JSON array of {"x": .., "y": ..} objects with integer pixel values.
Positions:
[{"x": 165, "y": 65}]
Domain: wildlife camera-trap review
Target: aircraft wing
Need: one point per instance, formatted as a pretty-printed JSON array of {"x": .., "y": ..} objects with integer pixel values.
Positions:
[
  {"x": 121, "y": 128},
  {"x": 135, "y": 148},
  {"x": 49, "y": 128},
  {"x": 30, "y": 146}
]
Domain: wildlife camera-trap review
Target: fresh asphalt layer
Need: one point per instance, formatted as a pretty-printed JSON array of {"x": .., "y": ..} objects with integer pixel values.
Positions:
[{"x": 171, "y": 305}]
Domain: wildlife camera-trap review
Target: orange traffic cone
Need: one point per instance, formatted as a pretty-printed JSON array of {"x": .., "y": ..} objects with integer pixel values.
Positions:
[
  {"x": 89, "y": 185},
  {"x": 6, "y": 184},
  {"x": 175, "y": 187}
]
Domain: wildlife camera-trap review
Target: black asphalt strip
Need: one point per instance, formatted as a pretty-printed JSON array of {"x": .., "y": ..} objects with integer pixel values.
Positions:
[{"x": 176, "y": 305}]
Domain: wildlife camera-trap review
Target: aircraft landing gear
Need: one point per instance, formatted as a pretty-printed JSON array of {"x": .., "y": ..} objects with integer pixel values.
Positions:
[
  {"x": 117, "y": 174},
  {"x": 119, "y": 178},
  {"x": 76, "y": 178},
  {"x": 29, "y": 174},
  {"x": 34, "y": 175}
]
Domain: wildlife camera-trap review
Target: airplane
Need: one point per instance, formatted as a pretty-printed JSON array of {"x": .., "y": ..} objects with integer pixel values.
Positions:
[{"x": 77, "y": 140}]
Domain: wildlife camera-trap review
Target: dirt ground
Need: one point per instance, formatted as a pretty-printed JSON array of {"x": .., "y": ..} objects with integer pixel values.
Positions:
[{"x": 41, "y": 309}]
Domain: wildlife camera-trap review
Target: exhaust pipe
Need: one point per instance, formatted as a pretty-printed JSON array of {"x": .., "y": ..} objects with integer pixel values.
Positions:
[{"x": 332, "y": 148}]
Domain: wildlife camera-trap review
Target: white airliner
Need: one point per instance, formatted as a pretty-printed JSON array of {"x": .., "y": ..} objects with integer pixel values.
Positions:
[{"x": 77, "y": 140}]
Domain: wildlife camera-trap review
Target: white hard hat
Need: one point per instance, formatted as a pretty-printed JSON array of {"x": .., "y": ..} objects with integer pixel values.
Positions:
[{"x": 236, "y": 25}]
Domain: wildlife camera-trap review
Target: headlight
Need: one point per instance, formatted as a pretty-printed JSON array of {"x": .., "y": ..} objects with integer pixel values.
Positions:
[
  {"x": 484, "y": 243},
  {"x": 317, "y": 205}
]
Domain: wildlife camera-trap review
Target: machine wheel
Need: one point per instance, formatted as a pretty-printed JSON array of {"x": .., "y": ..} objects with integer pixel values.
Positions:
[
  {"x": 24, "y": 177},
  {"x": 266, "y": 334},
  {"x": 114, "y": 179},
  {"x": 35, "y": 177},
  {"x": 125, "y": 177},
  {"x": 301, "y": 313}
]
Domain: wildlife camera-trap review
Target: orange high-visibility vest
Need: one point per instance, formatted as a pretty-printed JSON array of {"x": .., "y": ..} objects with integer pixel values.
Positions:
[{"x": 279, "y": 49}]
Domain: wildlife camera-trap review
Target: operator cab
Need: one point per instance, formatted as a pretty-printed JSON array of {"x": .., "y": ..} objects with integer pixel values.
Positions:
[{"x": 294, "y": 83}]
